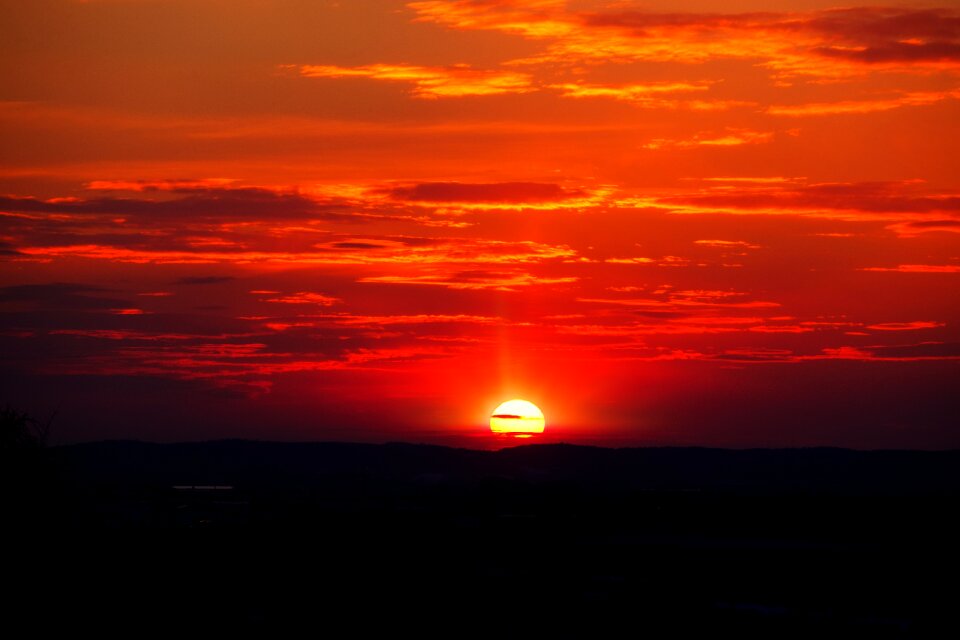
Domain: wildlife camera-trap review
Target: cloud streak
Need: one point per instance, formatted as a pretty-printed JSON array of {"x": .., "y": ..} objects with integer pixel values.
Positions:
[
  {"x": 480, "y": 193},
  {"x": 195, "y": 203},
  {"x": 454, "y": 81},
  {"x": 828, "y": 43},
  {"x": 844, "y": 201},
  {"x": 912, "y": 99}
]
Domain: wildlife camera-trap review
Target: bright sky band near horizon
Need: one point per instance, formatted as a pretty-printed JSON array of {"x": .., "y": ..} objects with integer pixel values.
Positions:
[{"x": 664, "y": 223}]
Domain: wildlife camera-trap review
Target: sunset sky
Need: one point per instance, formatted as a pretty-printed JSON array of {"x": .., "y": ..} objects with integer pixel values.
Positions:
[{"x": 377, "y": 220}]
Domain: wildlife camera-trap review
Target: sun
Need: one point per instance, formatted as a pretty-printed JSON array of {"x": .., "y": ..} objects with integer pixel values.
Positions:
[{"x": 518, "y": 418}]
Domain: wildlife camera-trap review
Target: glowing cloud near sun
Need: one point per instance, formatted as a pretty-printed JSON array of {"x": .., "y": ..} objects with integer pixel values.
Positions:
[{"x": 517, "y": 417}]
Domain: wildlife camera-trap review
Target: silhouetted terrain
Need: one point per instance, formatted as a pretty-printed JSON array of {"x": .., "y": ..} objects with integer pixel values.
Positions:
[{"x": 555, "y": 540}]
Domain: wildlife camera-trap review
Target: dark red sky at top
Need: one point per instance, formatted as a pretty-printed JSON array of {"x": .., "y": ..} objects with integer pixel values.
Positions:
[{"x": 377, "y": 220}]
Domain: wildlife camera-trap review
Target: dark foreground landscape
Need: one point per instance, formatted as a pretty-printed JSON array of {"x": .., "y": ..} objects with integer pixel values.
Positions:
[{"x": 347, "y": 540}]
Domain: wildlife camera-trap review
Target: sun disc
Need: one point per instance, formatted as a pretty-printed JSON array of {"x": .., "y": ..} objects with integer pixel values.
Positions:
[{"x": 517, "y": 417}]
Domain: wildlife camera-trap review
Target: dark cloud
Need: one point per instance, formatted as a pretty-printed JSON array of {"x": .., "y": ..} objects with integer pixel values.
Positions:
[
  {"x": 640, "y": 21},
  {"x": 879, "y": 24},
  {"x": 863, "y": 34},
  {"x": 365, "y": 243},
  {"x": 53, "y": 318},
  {"x": 416, "y": 241},
  {"x": 896, "y": 52},
  {"x": 7, "y": 249},
  {"x": 198, "y": 204},
  {"x": 647, "y": 313},
  {"x": 478, "y": 275},
  {"x": 192, "y": 280},
  {"x": 59, "y": 295},
  {"x": 933, "y": 224},
  {"x": 753, "y": 356},
  {"x": 922, "y": 350},
  {"x": 878, "y": 197},
  {"x": 502, "y": 192},
  {"x": 357, "y": 245}
]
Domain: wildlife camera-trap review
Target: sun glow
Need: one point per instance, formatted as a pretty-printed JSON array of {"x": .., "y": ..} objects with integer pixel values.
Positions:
[{"x": 518, "y": 418}]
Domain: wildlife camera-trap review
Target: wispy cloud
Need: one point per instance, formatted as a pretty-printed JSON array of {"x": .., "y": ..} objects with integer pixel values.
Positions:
[
  {"x": 729, "y": 138},
  {"x": 911, "y": 99},
  {"x": 431, "y": 82},
  {"x": 194, "y": 280},
  {"x": 195, "y": 203},
  {"x": 659, "y": 95},
  {"x": 914, "y": 228},
  {"x": 906, "y": 326},
  {"x": 727, "y": 244},
  {"x": 826, "y": 43},
  {"x": 305, "y": 297},
  {"x": 473, "y": 280},
  {"x": 182, "y": 185},
  {"x": 918, "y": 268},
  {"x": 452, "y": 251},
  {"x": 908, "y": 201},
  {"x": 483, "y": 193}
]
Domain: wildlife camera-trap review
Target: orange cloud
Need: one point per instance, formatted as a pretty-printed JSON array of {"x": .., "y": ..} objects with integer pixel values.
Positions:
[
  {"x": 483, "y": 193},
  {"x": 626, "y": 331},
  {"x": 754, "y": 180},
  {"x": 640, "y": 92},
  {"x": 918, "y": 268},
  {"x": 450, "y": 251},
  {"x": 915, "y": 228},
  {"x": 159, "y": 185},
  {"x": 431, "y": 82},
  {"x": 731, "y": 138},
  {"x": 530, "y": 18},
  {"x": 832, "y": 43},
  {"x": 638, "y": 260},
  {"x": 905, "y": 353},
  {"x": 472, "y": 280},
  {"x": 726, "y": 244},
  {"x": 916, "y": 98},
  {"x": 907, "y": 201},
  {"x": 455, "y": 197},
  {"x": 305, "y": 297},
  {"x": 651, "y": 95},
  {"x": 680, "y": 302},
  {"x": 414, "y": 319},
  {"x": 782, "y": 328},
  {"x": 663, "y": 261},
  {"x": 655, "y": 95},
  {"x": 906, "y": 326}
]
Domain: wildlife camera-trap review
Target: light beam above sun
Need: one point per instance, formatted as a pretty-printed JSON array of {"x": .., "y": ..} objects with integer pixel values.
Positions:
[{"x": 518, "y": 418}]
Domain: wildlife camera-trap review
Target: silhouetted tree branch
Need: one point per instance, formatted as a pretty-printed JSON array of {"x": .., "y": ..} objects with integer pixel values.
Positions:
[
  {"x": 26, "y": 474},
  {"x": 20, "y": 432}
]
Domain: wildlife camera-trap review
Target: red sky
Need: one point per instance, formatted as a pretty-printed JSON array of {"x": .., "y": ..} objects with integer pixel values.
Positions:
[{"x": 377, "y": 220}]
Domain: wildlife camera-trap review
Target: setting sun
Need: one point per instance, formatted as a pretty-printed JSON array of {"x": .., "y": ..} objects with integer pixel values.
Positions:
[{"x": 517, "y": 417}]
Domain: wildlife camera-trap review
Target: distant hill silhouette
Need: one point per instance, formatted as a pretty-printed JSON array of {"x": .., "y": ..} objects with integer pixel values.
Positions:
[
  {"x": 751, "y": 471},
  {"x": 554, "y": 541}
]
